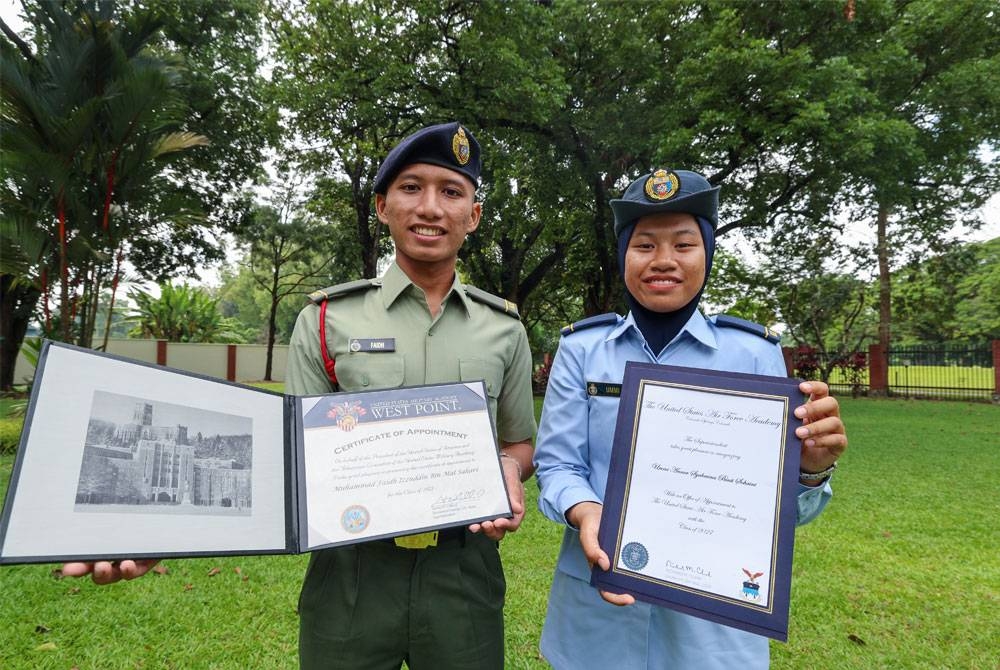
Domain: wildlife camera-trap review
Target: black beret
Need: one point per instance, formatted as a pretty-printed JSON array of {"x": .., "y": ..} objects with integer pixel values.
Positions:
[
  {"x": 667, "y": 191},
  {"x": 448, "y": 145}
]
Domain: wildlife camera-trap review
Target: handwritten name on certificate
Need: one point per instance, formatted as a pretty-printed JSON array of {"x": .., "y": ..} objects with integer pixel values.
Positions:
[
  {"x": 388, "y": 463},
  {"x": 702, "y": 492}
]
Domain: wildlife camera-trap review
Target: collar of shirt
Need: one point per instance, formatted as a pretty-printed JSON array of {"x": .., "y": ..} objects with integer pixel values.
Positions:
[
  {"x": 697, "y": 327},
  {"x": 395, "y": 282}
]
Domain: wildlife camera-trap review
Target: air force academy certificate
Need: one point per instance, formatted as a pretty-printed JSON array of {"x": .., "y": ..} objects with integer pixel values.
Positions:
[
  {"x": 381, "y": 464},
  {"x": 699, "y": 512}
]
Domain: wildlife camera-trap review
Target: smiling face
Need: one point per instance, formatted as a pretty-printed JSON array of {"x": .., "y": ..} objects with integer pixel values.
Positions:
[
  {"x": 665, "y": 261},
  {"x": 429, "y": 210}
]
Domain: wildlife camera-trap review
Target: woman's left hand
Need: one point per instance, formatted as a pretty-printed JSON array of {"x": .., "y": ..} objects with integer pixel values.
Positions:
[{"x": 822, "y": 432}]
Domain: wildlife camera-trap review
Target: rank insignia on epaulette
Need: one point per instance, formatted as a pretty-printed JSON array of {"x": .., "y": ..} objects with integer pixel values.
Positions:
[
  {"x": 316, "y": 296},
  {"x": 662, "y": 185},
  {"x": 748, "y": 326},
  {"x": 589, "y": 322},
  {"x": 604, "y": 389},
  {"x": 460, "y": 146}
]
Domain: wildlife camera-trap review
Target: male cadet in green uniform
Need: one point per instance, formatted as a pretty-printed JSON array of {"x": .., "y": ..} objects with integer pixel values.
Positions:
[{"x": 436, "y": 602}]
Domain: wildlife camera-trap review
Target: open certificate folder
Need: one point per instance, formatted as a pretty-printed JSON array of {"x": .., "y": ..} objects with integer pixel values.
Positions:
[
  {"x": 122, "y": 459},
  {"x": 699, "y": 510}
]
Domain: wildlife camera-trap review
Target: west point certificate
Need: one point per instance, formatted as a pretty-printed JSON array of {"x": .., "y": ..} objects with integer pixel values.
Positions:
[
  {"x": 379, "y": 464},
  {"x": 699, "y": 511},
  {"x": 123, "y": 459}
]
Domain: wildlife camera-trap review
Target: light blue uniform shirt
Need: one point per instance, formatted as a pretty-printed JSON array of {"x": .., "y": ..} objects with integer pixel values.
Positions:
[{"x": 572, "y": 454}]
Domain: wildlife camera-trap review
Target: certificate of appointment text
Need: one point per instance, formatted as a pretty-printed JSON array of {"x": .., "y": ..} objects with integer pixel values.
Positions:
[{"x": 380, "y": 466}]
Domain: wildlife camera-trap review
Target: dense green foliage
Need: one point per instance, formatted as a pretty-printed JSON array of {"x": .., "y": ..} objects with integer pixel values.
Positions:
[
  {"x": 806, "y": 118},
  {"x": 182, "y": 313},
  {"x": 110, "y": 111},
  {"x": 863, "y": 573}
]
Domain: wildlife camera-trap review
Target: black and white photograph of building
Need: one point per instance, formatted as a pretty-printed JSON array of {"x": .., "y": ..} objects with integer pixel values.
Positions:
[{"x": 149, "y": 456}]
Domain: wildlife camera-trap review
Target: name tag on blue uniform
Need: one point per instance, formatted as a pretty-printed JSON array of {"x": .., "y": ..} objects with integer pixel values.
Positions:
[
  {"x": 372, "y": 344},
  {"x": 604, "y": 389}
]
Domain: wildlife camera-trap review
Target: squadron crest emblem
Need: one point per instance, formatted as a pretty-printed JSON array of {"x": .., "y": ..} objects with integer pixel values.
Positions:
[
  {"x": 460, "y": 147},
  {"x": 662, "y": 185}
]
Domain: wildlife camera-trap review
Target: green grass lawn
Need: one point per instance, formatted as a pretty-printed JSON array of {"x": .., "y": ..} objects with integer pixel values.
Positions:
[{"x": 899, "y": 572}]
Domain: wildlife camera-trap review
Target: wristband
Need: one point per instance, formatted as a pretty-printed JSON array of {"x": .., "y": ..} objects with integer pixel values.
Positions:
[
  {"x": 520, "y": 473},
  {"x": 813, "y": 477}
]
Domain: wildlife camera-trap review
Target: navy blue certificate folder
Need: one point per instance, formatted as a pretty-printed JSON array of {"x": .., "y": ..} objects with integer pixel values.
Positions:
[{"x": 700, "y": 506}]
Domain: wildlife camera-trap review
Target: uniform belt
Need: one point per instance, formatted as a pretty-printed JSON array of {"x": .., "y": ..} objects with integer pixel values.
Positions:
[{"x": 445, "y": 536}]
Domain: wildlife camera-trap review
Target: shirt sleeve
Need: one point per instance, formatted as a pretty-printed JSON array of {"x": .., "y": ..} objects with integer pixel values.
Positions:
[
  {"x": 811, "y": 500},
  {"x": 305, "y": 373},
  {"x": 562, "y": 450},
  {"x": 515, "y": 404}
]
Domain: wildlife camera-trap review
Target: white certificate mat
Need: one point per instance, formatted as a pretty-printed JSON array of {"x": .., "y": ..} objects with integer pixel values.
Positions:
[
  {"x": 706, "y": 479},
  {"x": 699, "y": 510},
  {"x": 121, "y": 459},
  {"x": 388, "y": 463}
]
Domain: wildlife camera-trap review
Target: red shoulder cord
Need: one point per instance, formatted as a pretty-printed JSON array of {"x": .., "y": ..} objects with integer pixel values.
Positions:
[{"x": 328, "y": 363}]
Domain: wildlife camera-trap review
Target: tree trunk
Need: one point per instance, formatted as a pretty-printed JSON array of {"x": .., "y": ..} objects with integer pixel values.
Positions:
[
  {"x": 17, "y": 304},
  {"x": 272, "y": 327},
  {"x": 884, "y": 286},
  {"x": 114, "y": 290},
  {"x": 65, "y": 313}
]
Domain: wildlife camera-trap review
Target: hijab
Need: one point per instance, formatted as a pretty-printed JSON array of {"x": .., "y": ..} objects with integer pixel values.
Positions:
[{"x": 659, "y": 328}]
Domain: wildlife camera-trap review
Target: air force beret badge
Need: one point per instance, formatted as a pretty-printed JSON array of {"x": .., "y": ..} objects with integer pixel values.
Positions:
[{"x": 662, "y": 185}]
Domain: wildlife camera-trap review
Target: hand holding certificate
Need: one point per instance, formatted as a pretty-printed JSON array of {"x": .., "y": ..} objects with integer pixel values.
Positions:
[{"x": 699, "y": 512}]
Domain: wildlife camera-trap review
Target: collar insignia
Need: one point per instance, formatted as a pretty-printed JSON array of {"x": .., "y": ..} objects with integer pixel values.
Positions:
[
  {"x": 460, "y": 147},
  {"x": 662, "y": 185}
]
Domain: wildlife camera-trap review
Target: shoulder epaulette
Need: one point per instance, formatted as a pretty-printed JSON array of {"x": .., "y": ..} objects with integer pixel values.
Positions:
[
  {"x": 590, "y": 322},
  {"x": 341, "y": 289},
  {"x": 496, "y": 302},
  {"x": 727, "y": 321}
]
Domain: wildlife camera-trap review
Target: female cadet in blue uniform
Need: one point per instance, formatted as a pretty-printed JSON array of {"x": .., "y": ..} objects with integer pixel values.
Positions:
[{"x": 665, "y": 225}]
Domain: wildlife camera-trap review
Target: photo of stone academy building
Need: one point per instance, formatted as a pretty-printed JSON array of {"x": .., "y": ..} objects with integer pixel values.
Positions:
[{"x": 156, "y": 462}]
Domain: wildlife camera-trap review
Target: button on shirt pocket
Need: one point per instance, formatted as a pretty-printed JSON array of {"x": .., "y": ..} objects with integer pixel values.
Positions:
[{"x": 362, "y": 371}]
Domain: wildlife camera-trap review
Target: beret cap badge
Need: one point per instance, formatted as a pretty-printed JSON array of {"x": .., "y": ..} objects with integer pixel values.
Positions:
[
  {"x": 460, "y": 146},
  {"x": 662, "y": 185}
]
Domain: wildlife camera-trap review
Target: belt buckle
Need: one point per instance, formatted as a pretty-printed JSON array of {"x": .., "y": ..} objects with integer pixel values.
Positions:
[{"x": 417, "y": 541}]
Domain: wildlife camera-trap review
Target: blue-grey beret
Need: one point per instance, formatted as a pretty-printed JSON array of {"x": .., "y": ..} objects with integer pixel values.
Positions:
[
  {"x": 667, "y": 191},
  {"x": 447, "y": 145}
]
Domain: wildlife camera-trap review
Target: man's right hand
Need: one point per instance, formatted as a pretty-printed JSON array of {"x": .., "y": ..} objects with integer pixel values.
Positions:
[{"x": 109, "y": 572}]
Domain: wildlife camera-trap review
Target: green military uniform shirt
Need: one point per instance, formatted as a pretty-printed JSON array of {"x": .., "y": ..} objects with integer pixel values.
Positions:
[{"x": 467, "y": 341}]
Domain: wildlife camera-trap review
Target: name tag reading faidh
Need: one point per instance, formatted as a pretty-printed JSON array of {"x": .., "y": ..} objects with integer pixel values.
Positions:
[{"x": 372, "y": 344}]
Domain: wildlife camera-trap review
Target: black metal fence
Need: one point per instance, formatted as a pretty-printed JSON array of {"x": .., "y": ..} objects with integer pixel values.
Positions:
[
  {"x": 942, "y": 372},
  {"x": 951, "y": 372}
]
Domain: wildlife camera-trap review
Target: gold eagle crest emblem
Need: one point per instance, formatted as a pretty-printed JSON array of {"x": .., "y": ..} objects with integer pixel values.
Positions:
[
  {"x": 460, "y": 147},
  {"x": 662, "y": 185}
]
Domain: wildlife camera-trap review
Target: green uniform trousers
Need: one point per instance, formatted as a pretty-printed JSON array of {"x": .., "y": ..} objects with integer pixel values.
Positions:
[{"x": 371, "y": 606}]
